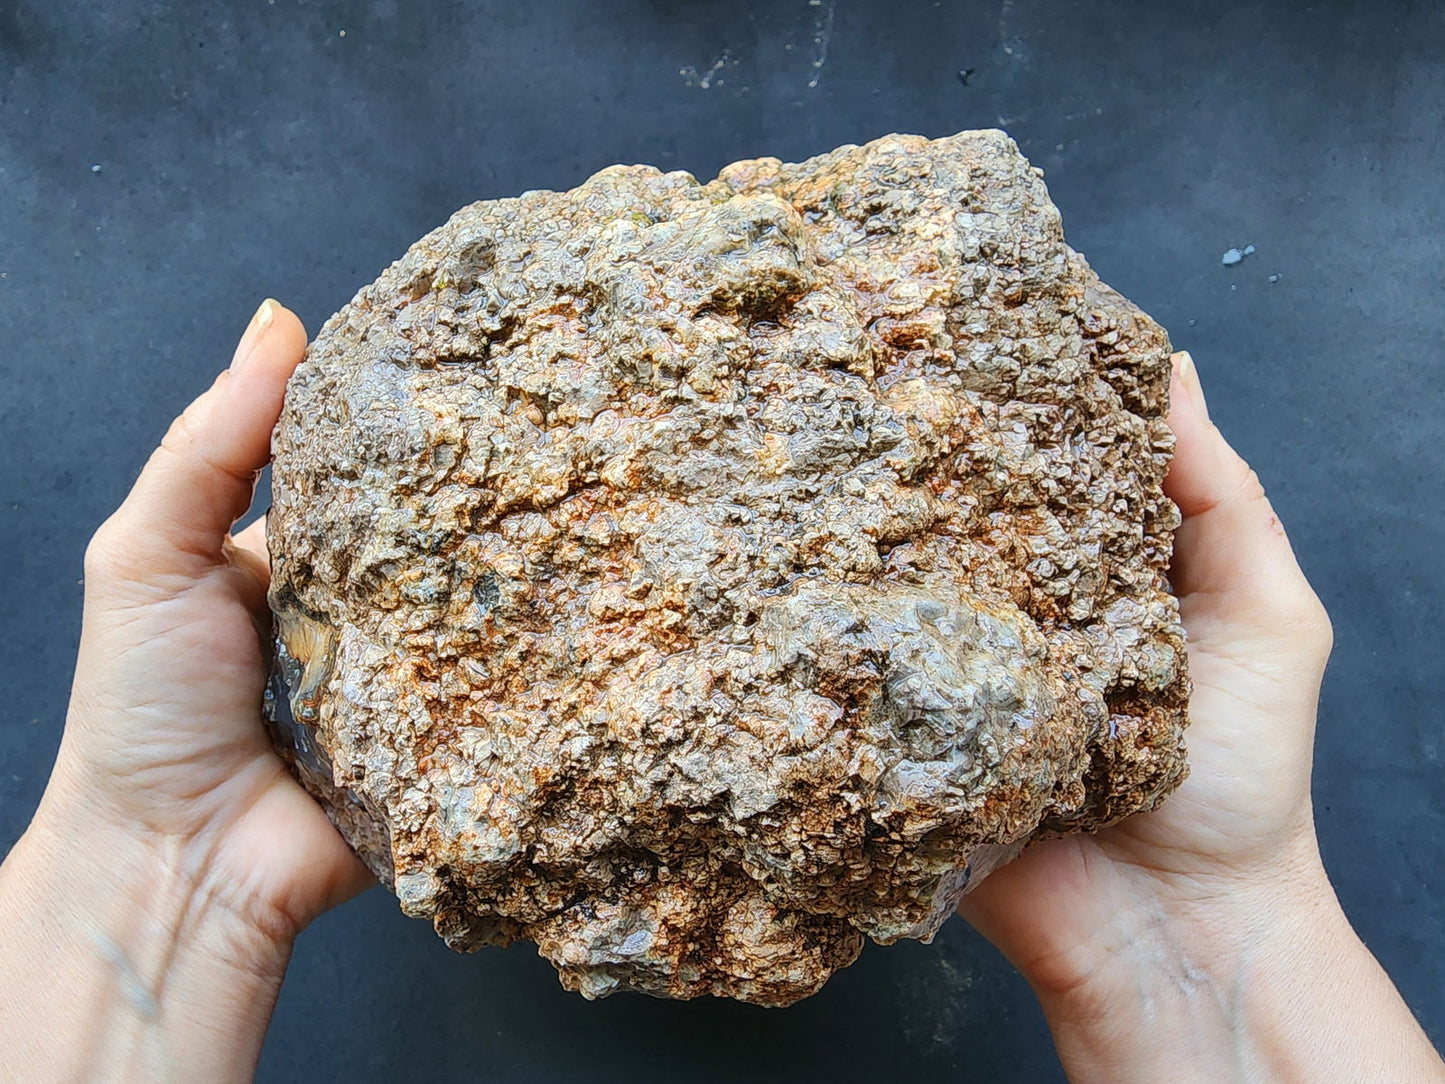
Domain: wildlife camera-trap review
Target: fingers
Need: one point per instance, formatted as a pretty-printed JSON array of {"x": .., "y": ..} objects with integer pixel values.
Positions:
[
  {"x": 248, "y": 552},
  {"x": 253, "y": 541},
  {"x": 178, "y": 515},
  {"x": 1232, "y": 559}
]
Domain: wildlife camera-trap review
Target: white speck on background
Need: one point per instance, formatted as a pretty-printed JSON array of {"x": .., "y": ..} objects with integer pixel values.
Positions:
[
  {"x": 95, "y": 168},
  {"x": 1012, "y": 45},
  {"x": 691, "y": 77},
  {"x": 1003, "y": 13},
  {"x": 822, "y": 35}
]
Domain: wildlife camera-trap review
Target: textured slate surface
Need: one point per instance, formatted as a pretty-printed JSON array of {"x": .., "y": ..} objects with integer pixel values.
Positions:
[{"x": 247, "y": 148}]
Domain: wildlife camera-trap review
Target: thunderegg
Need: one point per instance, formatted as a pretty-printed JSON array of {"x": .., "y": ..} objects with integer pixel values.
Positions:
[{"x": 695, "y": 579}]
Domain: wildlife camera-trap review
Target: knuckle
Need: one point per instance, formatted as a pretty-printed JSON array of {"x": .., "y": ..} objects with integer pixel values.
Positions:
[
  {"x": 104, "y": 553},
  {"x": 1322, "y": 629},
  {"x": 1248, "y": 488},
  {"x": 187, "y": 428},
  {"x": 1308, "y": 623},
  {"x": 1252, "y": 488},
  {"x": 180, "y": 435}
]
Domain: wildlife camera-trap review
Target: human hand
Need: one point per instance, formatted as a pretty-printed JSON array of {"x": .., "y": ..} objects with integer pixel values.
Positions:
[
  {"x": 164, "y": 735},
  {"x": 179, "y": 851},
  {"x": 1202, "y": 940}
]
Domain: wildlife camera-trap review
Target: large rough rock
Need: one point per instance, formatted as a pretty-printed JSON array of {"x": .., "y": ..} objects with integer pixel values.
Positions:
[{"x": 694, "y": 579}]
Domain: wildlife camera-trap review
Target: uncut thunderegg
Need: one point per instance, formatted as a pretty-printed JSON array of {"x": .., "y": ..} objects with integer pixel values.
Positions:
[{"x": 695, "y": 579}]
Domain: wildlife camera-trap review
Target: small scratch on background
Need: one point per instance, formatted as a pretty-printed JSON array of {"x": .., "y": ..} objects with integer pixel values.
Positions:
[
  {"x": 1013, "y": 46},
  {"x": 822, "y": 35},
  {"x": 708, "y": 78},
  {"x": 1003, "y": 13},
  {"x": 937, "y": 1002}
]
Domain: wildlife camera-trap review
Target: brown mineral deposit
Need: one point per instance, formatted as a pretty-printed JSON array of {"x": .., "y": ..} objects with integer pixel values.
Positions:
[{"x": 696, "y": 579}]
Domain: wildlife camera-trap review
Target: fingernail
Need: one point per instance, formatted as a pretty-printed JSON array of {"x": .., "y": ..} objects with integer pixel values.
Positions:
[
  {"x": 255, "y": 332},
  {"x": 1189, "y": 377}
]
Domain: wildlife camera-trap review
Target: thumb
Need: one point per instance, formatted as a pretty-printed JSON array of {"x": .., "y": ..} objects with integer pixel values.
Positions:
[
  {"x": 1234, "y": 570},
  {"x": 176, "y": 520}
]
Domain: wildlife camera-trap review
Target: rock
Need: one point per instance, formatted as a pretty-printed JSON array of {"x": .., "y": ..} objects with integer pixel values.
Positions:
[{"x": 696, "y": 579}]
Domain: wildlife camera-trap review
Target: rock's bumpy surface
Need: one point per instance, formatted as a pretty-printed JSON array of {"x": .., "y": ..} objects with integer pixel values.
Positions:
[{"x": 695, "y": 579}]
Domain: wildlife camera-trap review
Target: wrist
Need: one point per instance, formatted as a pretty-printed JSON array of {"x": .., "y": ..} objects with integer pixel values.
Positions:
[
  {"x": 1210, "y": 987},
  {"x": 147, "y": 965}
]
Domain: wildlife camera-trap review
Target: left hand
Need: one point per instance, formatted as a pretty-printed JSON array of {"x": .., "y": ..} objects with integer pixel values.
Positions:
[
  {"x": 173, "y": 858},
  {"x": 164, "y": 735}
]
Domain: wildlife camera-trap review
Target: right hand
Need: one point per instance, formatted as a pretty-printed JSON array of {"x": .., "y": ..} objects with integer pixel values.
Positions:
[{"x": 1196, "y": 927}]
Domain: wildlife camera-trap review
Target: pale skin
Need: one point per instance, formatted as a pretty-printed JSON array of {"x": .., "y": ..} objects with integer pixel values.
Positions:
[{"x": 172, "y": 860}]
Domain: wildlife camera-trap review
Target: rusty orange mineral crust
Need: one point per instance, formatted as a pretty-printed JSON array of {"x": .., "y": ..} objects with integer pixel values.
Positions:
[{"x": 695, "y": 579}]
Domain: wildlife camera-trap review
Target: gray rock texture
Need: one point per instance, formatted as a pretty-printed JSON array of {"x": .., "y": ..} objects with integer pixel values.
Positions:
[{"x": 696, "y": 579}]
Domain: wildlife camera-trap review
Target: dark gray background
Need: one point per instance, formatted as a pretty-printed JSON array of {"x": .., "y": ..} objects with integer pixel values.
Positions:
[{"x": 248, "y": 148}]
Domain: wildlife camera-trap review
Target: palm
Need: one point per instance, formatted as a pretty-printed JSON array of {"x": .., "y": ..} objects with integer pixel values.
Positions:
[
  {"x": 1257, "y": 642},
  {"x": 167, "y": 707},
  {"x": 1216, "y": 825}
]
